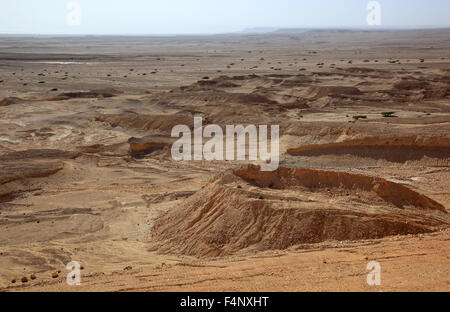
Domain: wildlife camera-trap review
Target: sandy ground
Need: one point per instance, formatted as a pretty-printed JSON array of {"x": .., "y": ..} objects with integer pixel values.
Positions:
[{"x": 86, "y": 174}]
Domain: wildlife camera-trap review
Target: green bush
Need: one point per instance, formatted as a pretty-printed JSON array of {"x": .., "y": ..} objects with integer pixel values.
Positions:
[
  {"x": 359, "y": 117},
  {"x": 388, "y": 114}
]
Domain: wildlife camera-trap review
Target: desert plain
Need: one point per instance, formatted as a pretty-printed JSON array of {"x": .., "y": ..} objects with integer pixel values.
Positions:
[{"x": 86, "y": 172}]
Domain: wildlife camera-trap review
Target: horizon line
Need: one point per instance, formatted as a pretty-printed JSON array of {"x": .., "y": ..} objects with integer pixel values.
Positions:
[{"x": 249, "y": 30}]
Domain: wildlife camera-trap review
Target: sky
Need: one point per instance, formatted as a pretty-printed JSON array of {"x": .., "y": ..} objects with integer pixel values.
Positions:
[{"x": 209, "y": 16}]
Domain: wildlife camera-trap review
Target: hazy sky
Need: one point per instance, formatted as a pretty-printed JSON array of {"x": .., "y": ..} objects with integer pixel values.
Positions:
[{"x": 210, "y": 16}]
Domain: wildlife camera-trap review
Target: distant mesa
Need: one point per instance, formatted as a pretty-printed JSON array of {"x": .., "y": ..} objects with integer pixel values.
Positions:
[
  {"x": 10, "y": 101},
  {"x": 398, "y": 149},
  {"x": 140, "y": 147},
  {"x": 18, "y": 169},
  {"x": 158, "y": 123},
  {"x": 259, "y": 30},
  {"x": 106, "y": 93}
]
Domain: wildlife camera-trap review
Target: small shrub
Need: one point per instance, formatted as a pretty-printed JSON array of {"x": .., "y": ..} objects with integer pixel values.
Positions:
[
  {"x": 388, "y": 114},
  {"x": 357, "y": 117}
]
